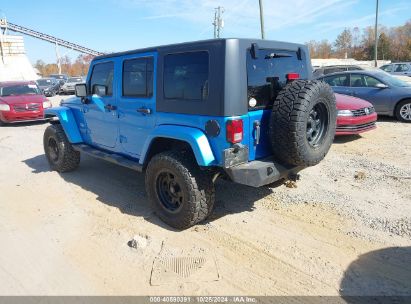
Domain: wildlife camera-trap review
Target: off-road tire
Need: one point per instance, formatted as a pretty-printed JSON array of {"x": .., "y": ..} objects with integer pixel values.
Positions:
[
  {"x": 289, "y": 121},
  {"x": 64, "y": 158},
  {"x": 398, "y": 110},
  {"x": 195, "y": 185}
]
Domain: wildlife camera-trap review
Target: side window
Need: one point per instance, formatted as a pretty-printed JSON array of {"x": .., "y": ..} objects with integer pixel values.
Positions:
[
  {"x": 401, "y": 68},
  {"x": 371, "y": 81},
  {"x": 337, "y": 80},
  {"x": 386, "y": 68},
  {"x": 334, "y": 70},
  {"x": 138, "y": 77},
  {"x": 357, "y": 80},
  {"x": 186, "y": 76},
  {"x": 102, "y": 75}
]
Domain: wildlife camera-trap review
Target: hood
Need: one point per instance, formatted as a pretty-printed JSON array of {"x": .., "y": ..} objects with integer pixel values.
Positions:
[
  {"x": 42, "y": 87},
  {"x": 71, "y": 83},
  {"x": 70, "y": 100},
  {"x": 345, "y": 102},
  {"x": 22, "y": 99}
]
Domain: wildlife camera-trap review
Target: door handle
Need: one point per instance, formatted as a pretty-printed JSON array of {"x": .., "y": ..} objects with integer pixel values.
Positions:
[
  {"x": 144, "y": 111},
  {"x": 257, "y": 132},
  {"x": 110, "y": 107}
]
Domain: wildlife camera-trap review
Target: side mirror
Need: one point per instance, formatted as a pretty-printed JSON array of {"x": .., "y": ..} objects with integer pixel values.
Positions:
[
  {"x": 381, "y": 86},
  {"x": 81, "y": 90},
  {"x": 100, "y": 90}
]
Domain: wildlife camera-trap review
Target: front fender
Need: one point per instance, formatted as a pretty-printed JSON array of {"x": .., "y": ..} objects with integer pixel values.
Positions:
[
  {"x": 194, "y": 137},
  {"x": 67, "y": 121}
]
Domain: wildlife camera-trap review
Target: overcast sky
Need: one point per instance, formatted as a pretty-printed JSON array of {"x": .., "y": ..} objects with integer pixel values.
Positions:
[{"x": 110, "y": 25}]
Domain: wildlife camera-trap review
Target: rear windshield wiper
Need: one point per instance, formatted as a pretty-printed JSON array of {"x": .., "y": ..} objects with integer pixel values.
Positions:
[{"x": 277, "y": 55}]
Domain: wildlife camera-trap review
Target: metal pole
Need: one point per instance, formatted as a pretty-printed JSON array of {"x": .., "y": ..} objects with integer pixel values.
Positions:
[
  {"x": 220, "y": 10},
  {"x": 215, "y": 23},
  {"x": 376, "y": 36},
  {"x": 58, "y": 59},
  {"x": 262, "y": 19}
]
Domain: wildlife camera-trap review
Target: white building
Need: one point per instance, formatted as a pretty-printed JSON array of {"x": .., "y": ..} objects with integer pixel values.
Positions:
[{"x": 14, "y": 64}]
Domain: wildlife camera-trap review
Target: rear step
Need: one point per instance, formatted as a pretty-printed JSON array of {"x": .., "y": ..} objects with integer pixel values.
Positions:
[{"x": 111, "y": 157}]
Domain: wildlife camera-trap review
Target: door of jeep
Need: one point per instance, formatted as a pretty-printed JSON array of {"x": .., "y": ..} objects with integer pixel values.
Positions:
[
  {"x": 136, "y": 101},
  {"x": 100, "y": 113}
]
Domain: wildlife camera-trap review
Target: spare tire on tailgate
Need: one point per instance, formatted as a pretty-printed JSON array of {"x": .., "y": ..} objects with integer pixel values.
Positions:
[{"x": 303, "y": 121}]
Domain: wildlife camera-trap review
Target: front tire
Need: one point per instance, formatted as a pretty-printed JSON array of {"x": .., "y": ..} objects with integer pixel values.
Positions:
[
  {"x": 403, "y": 111},
  {"x": 180, "y": 192},
  {"x": 59, "y": 151}
]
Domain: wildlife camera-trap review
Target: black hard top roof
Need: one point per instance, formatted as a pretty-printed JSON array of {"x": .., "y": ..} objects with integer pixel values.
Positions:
[{"x": 200, "y": 42}]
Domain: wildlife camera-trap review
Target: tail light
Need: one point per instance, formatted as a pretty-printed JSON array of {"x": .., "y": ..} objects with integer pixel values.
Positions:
[
  {"x": 292, "y": 76},
  {"x": 234, "y": 130}
]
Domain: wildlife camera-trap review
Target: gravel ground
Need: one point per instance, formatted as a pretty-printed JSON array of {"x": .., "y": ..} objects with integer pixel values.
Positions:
[{"x": 342, "y": 229}]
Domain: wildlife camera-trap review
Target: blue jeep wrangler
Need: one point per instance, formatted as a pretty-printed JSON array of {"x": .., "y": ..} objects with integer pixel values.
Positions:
[{"x": 186, "y": 114}]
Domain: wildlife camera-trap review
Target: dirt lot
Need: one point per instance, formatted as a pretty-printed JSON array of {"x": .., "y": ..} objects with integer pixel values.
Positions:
[{"x": 345, "y": 229}]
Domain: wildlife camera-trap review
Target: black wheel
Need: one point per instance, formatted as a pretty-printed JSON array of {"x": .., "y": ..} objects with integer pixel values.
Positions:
[
  {"x": 59, "y": 152},
  {"x": 303, "y": 121},
  {"x": 181, "y": 193},
  {"x": 403, "y": 111},
  {"x": 2, "y": 123}
]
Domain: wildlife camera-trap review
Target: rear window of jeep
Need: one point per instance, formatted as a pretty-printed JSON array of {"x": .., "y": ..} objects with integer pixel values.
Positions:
[
  {"x": 186, "y": 76},
  {"x": 267, "y": 74}
]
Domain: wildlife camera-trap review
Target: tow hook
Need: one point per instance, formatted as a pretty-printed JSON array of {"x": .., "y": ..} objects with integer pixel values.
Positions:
[
  {"x": 293, "y": 177},
  {"x": 291, "y": 181}
]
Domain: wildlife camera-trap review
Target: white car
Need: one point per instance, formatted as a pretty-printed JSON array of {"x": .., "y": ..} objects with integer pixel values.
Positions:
[
  {"x": 69, "y": 86},
  {"x": 398, "y": 68}
]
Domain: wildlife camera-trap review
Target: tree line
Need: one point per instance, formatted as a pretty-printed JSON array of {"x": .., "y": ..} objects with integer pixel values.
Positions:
[
  {"x": 394, "y": 44},
  {"x": 79, "y": 67}
]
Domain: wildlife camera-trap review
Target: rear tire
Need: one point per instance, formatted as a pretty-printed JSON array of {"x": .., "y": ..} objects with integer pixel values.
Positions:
[
  {"x": 403, "y": 111},
  {"x": 303, "y": 122},
  {"x": 181, "y": 194},
  {"x": 59, "y": 151}
]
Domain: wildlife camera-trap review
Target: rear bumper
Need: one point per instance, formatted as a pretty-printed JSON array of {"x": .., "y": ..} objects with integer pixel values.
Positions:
[{"x": 260, "y": 172}]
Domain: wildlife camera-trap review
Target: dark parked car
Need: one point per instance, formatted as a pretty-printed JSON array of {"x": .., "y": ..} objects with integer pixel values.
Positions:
[
  {"x": 325, "y": 70},
  {"x": 389, "y": 95},
  {"x": 62, "y": 78},
  {"x": 49, "y": 86}
]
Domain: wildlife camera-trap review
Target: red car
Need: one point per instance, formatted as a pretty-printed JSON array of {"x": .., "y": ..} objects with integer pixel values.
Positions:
[
  {"x": 354, "y": 115},
  {"x": 21, "y": 101}
]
